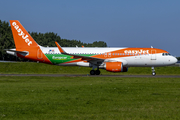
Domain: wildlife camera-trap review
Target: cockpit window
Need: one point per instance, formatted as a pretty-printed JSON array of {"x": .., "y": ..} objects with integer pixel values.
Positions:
[{"x": 166, "y": 54}]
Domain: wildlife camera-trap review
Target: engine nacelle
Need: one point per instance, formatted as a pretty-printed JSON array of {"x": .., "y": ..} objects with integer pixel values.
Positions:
[{"x": 115, "y": 67}]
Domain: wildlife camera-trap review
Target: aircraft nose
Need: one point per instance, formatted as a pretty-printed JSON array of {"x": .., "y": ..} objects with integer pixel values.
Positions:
[{"x": 174, "y": 60}]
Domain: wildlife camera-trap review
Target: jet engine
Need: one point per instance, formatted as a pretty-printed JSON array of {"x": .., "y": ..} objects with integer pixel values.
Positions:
[{"x": 115, "y": 67}]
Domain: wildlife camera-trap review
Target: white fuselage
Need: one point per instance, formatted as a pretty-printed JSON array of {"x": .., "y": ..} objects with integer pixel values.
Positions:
[{"x": 129, "y": 60}]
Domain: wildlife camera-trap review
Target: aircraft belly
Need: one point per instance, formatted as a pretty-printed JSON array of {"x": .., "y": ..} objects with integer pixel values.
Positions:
[{"x": 68, "y": 64}]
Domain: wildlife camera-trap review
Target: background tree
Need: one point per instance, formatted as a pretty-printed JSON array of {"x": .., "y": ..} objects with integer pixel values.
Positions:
[
  {"x": 6, "y": 40},
  {"x": 178, "y": 58}
]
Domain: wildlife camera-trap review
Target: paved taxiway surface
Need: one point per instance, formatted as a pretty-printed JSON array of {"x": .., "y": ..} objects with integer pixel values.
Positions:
[{"x": 76, "y": 75}]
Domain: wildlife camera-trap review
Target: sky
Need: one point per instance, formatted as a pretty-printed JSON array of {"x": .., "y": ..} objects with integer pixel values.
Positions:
[{"x": 119, "y": 23}]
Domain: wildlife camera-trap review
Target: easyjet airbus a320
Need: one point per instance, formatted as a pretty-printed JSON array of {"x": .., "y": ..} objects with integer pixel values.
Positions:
[{"x": 110, "y": 59}]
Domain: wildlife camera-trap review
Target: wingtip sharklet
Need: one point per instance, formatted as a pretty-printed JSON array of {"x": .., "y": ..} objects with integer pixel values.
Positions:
[{"x": 59, "y": 47}]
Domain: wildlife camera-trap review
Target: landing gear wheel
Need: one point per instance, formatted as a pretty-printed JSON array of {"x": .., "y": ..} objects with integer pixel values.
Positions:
[
  {"x": 153, "y": 73},
  {"x": 92, "y": 72},
  {"x": 97, "y": 72}
]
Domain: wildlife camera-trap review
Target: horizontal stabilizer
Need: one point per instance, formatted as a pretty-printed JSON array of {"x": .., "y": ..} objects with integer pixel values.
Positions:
[{"x": 14, "y": 52}]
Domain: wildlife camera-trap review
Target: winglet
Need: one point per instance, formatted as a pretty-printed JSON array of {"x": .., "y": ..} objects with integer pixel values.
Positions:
[{"x": 59, "y": 47}]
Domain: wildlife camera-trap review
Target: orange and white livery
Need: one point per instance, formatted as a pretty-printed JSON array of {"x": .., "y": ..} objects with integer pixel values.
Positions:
[{"x": 110, "y": 59}]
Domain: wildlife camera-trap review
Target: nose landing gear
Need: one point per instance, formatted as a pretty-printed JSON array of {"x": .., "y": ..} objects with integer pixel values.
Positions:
[{"x": 153, "y": 71}]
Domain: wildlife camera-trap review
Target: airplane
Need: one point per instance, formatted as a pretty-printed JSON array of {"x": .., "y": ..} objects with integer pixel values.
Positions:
[{"x": 110, "y": 59}]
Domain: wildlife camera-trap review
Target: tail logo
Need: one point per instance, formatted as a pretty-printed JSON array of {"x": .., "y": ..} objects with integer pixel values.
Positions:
[{"x": 21, "y": 33}]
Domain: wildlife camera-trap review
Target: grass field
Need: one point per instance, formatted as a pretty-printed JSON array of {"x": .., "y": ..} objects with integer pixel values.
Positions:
[
  {"x": 85, "y": 98},
  {"x": 40, "y": 68}
]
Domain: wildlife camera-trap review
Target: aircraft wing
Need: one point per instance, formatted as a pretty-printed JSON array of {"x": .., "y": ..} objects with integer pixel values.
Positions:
[{"x": 79, "y": 56}]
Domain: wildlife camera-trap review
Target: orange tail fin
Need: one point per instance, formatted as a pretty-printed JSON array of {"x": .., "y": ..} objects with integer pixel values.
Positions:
[
  {"x": 22, "y": 38},
  {"x": 26, "y": 46}
]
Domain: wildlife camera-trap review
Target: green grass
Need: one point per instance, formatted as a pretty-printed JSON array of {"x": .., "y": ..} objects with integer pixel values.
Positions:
[
  {"x": 40, "y": 68},
  {"x": 85, "y": 98}
]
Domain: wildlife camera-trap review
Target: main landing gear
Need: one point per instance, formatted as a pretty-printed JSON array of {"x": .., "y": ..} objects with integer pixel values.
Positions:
[
  {"x": 153, "y": 71},
  {"x": 95, "y": 72}
]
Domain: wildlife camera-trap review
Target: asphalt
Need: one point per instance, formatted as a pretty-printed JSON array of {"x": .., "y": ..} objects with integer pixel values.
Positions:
[{"x": 76, "y": 75}]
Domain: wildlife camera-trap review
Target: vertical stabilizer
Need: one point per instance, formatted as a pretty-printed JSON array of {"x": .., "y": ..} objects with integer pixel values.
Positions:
[
  {"x": 22, "y": 38},
  {"x": 26, "y": 46}
]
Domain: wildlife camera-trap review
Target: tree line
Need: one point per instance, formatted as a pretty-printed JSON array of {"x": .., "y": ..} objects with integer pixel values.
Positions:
[{"x": 43, "y": 39}]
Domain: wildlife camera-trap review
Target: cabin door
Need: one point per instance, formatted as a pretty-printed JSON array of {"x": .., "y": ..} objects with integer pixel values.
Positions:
[{"x": 153, "y": 54}]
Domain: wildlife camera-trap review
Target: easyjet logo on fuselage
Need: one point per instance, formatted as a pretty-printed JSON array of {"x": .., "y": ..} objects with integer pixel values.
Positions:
[
  {"x": 21, "y": 33},
  {"x": 136, "y": 51}
]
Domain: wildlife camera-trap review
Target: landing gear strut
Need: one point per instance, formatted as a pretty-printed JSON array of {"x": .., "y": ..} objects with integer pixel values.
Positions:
[{"x": 153, "y": 71}]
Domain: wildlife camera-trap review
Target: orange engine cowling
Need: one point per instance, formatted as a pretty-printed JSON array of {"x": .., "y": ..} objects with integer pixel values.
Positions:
[{"x": 114, "y": 66}]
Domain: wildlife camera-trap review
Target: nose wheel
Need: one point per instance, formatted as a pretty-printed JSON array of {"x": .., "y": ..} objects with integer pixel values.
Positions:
[{"x": 153, "y": 71}]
